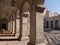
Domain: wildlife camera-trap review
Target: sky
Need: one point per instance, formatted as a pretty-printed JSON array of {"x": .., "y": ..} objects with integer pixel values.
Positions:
[{"x": 53, "y": 5}]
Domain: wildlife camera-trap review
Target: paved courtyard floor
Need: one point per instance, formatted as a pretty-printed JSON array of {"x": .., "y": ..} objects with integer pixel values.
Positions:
[{"x": 53, "y": 37}]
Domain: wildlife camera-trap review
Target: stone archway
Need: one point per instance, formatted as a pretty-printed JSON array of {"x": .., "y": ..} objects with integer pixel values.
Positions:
[
  {"x": 36, "y": 22},
  {"x": 32, "y": 22},
  {"x": 25, "y": 15}
]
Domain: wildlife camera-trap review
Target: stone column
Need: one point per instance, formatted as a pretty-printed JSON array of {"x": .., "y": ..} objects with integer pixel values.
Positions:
[
  {"x": 39, "y": 28},
  {"x": 8, "y": 26},
  {"x": 25, "y": 26},
  {"x": 36, "y": 28},
  {"x": 49, "y": 24},
  {"x": 59, "y": 23},
  {"x": 32, "y": 26},
  {"x": 20, "y": 26},
  {"x": 53, "y": 24},
  {"x": 25, "y": 30},
  {"x": 17, "y": 26},
  {"x": 13, "y": 26},
  {"x": 13, "y": 22}
]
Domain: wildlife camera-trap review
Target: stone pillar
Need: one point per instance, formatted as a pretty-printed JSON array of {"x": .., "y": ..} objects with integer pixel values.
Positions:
[
  {"x": 32, "y": 27},
  {"x": 28, "y": 25},
  {"x": 13, "y": 22},
  {"x": 8, "y": 26},
  {"x": 53, "y": 24},
  {"x": 20, "y": 26},
  {"x": 13, "y": 26},
  {"x": 59, "y": 23},
  {"x": 25, "y": 31},
  {"x": 17, "y": 26},
  {"x": 36, "y": 28},
  {"x": 45, "y": 23},
  {"x": 39, "y": 28},
  {"x": 49, "y": 24}
]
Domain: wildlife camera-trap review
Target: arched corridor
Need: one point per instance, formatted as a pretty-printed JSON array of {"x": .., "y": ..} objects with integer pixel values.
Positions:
[
  {"x": 25, "y": 15},
  {"x": 24, "y": 20}
]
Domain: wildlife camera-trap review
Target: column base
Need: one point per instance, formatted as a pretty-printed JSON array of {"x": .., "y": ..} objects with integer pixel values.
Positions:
[
  {"x": 19, "y": 38},
  {"x": 39, "y": 42},
  {"x": 29, "y": 43},
  {"x": 36, "y": 44}
]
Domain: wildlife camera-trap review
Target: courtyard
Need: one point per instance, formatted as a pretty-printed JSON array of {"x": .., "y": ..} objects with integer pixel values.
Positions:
[
  {"x": 22, "y": 22},
  {"x": 53, "y": 37}
]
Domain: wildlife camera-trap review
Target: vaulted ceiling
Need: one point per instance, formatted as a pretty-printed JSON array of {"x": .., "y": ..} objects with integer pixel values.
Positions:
[{"x": 6, "y": 9}]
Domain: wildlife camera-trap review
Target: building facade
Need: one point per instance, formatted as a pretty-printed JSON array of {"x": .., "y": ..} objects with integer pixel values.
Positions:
[{"x": 52, "y": 21}]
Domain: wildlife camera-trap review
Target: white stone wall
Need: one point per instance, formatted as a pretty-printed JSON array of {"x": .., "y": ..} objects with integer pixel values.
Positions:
[
  {"x": 48, "y": 13},
  {"x": 53, "y": 19},
  {"x": 39, "y": 28}
]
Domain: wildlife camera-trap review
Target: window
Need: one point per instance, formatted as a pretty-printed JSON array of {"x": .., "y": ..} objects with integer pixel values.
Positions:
[
  {"x": 47, "y": 24},
  {"x": 51, "y": 24}
]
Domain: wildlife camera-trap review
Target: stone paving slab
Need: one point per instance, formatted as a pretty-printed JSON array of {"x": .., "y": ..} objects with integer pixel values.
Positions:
[{"x": 13, "y": 42}]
